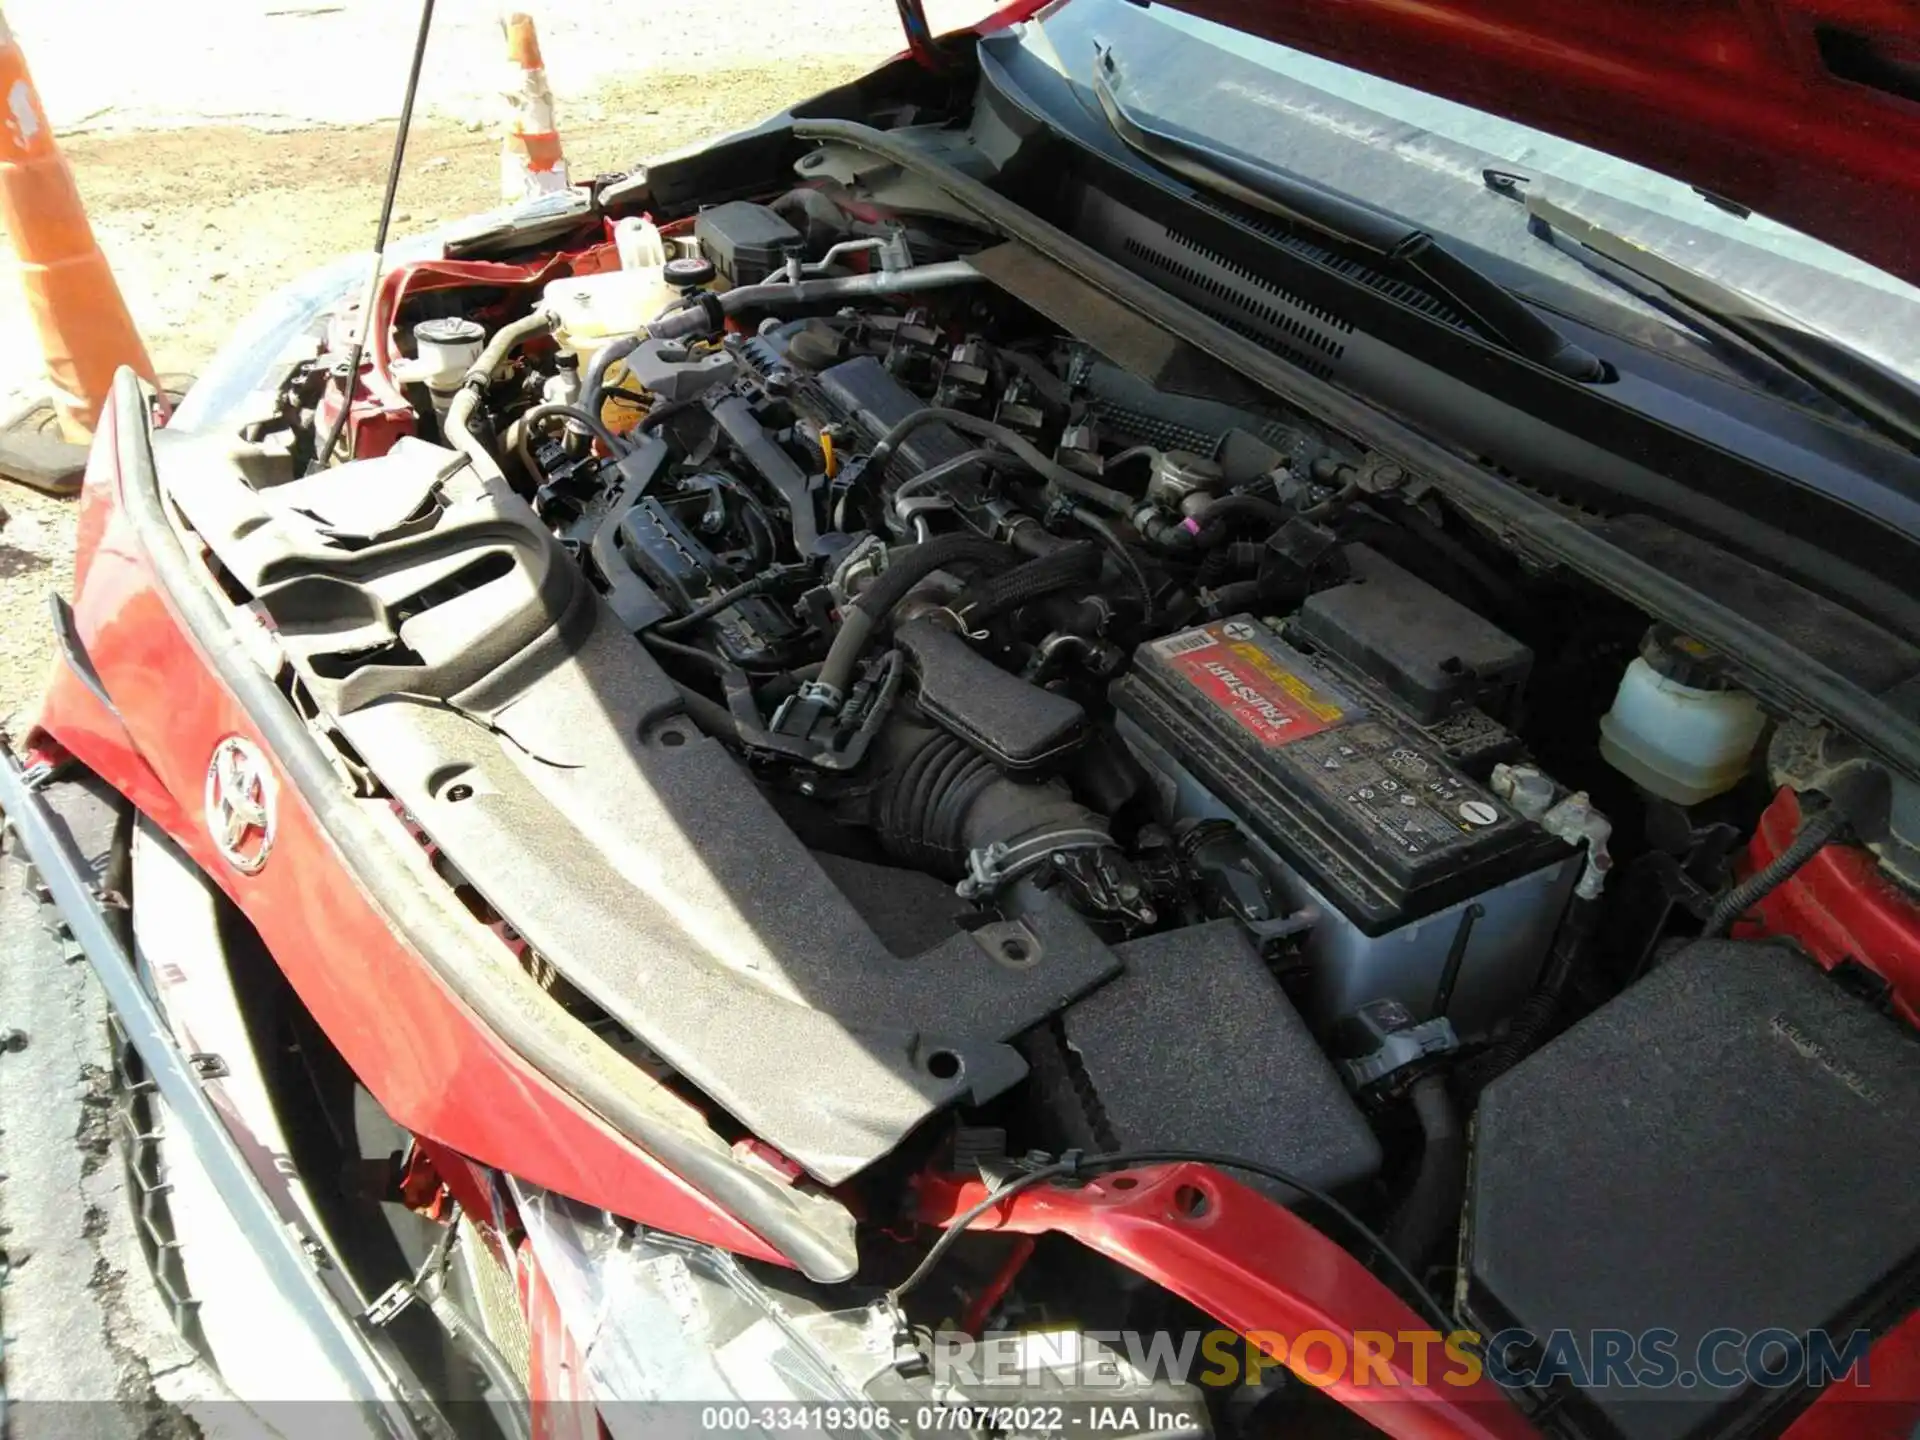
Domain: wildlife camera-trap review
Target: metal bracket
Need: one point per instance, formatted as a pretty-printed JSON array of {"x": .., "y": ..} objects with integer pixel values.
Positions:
[
  {"x": 389, "y": 1303},
  {"x": 993, "y": 866}
]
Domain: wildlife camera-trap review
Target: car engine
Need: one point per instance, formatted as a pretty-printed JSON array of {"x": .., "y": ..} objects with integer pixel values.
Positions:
[
  {"x": 1007, "y": 635},
  {"x": 923, "y": 718}
]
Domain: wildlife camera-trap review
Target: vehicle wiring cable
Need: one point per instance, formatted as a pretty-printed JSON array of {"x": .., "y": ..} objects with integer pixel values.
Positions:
[{"x": 1074, "y": 1165}]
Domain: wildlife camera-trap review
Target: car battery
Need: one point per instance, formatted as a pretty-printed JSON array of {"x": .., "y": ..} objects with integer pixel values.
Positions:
[{"x": 1424, "y": 887}]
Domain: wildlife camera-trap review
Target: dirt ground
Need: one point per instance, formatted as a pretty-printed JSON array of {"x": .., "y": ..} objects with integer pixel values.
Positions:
[{"x": 201, "y": 223}]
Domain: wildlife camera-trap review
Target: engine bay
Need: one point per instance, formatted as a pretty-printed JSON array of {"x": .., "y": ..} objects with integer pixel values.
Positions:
[{"x": 916, "y": 735}]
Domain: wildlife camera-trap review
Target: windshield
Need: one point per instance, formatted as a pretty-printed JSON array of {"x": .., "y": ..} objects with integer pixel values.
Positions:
[{"x": 1425, "y": 159}]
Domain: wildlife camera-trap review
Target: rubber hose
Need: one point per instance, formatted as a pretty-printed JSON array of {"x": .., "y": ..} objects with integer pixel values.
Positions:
[
  {"x": 711, "y": 716},
  {"x": 1230, "y": 512},
  {"x": 1120, "y": 552},
  {"x": 787, "y": 294},
  {"x": 555, "y": 410},
  {"x": 1816, "y": 832},
  {"x": 906, "y": 568},
  {"x": 941, "y": 800},
  {"x": 1432, "y": 1206},
  {"x": 705, "y": 659},
  {"x": 510, "y": 1406},
  {"x": 457, "y": 424},
  {"x": 1092, "y": 491},
  {"x": 1077, "y": 564},
  {"x": 593, "y": 384}
]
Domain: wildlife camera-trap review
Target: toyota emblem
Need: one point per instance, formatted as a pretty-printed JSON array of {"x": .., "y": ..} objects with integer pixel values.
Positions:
[{"x": 240, "y": 803}]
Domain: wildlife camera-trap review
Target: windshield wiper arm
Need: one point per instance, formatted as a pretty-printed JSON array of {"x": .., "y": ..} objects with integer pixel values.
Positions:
[
  {"x": 1877, "y": 395},
  {"x": 1492, "y": 308}
]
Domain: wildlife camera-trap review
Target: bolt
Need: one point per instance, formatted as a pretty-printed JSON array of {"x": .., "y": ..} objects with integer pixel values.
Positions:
[{"x": 807, "y": 787}]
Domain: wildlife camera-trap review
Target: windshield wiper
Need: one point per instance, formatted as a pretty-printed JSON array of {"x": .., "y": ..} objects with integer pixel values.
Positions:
[
  {"x": 1878, "y": 396},
  {"x": 1493, "y": 309}
]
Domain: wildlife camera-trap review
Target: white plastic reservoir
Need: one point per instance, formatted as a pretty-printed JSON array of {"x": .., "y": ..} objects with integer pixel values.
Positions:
[
  {"x": 1674, "y": 729},
  {"x": 594, "y": 309}
]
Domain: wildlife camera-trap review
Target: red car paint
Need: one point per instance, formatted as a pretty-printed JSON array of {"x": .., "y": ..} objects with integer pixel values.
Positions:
[
  {"x": 557, "y": 1380},
  {"x": 1256, "y": 1266},
  {"x": 1886, "y": 1406},
  {"x": 373, "y": 424},
  {"x": 434, "y": 1067},
  {"x": 1805, "y": 110},
  {"x": 404, "y": 282},
  {"x": 1840, "y": 907}
]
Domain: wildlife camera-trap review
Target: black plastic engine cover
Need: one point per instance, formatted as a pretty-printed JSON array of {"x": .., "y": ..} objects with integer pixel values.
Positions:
[
  {"x": 1197, "y": 1047},
  {"x": 1017, "y": 725},
  {"x": 1730, "y": 1143}
]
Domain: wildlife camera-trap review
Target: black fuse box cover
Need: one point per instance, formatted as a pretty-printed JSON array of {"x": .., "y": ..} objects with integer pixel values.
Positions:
[
  {"x": 1432, "y": 654},
  {"x": 1729, "y": 1143},
  {"x": 1361, "y": 803},
  {"x": 746, "y": 242}
]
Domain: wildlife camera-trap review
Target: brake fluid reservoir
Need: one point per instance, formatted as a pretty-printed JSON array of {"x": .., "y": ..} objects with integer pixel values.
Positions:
[{"x": 1676, "y": 729}]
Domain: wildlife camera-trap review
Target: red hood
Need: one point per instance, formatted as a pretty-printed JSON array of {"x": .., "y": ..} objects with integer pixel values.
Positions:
[{"x": 1807, "y": 111}]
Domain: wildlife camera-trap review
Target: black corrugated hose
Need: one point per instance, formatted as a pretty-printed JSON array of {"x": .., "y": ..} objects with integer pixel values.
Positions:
[
  {"x": 1816, "y": 832},
  {"x": 1074, "y": 564},
  {"x": 1534, "y": 1020}
]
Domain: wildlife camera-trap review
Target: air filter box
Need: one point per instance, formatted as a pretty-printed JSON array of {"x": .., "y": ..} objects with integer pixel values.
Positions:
[{"x": 1728, "y": 1145}]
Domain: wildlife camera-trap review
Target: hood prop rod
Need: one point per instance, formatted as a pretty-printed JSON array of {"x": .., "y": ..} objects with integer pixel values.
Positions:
[{"x": 324, "y": 451}]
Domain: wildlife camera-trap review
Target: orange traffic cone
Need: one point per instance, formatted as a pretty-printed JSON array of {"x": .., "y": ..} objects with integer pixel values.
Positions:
[
  {"x": 85, "y": 331},
  {"x": 531, "y": 162}
]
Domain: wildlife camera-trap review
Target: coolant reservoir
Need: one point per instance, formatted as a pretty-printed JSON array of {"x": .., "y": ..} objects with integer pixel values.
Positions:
[
  {"x": 594, "y": 309},
  {"x": 1675, "y": 728}
]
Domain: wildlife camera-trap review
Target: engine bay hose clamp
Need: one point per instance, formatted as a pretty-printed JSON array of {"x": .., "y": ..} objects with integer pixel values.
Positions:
[
  {"x": 992, "y": 867},
  {"x": 711, "y": 306}
]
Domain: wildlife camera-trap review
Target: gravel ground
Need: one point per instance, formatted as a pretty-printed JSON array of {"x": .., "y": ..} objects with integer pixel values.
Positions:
[{"x": 202, "y": 220}]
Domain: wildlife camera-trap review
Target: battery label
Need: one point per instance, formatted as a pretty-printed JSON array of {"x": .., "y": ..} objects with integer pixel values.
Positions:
[{"x": 1226, "y": 663}]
